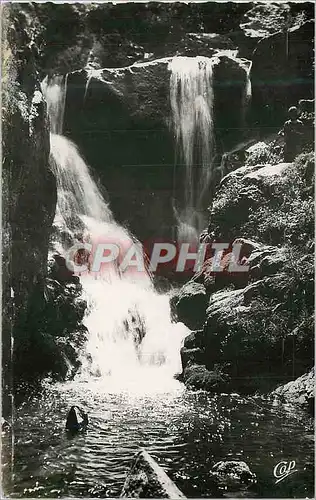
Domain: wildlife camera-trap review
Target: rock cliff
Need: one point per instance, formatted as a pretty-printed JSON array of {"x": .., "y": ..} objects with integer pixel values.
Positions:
[{"x": 255, "y": 329}]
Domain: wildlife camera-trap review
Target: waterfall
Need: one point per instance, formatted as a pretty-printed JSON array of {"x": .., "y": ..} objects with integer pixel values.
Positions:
[
  {"x": 132, "y": 341},
  {"x": 247, "y": 94},
  {"x": 191, "y": 98},
  {"x": 54, "y": 90}
]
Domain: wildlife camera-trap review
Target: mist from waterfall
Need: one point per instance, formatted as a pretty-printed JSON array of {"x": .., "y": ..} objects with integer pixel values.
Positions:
[
  {"x": 191, "y": 98},
  {"x": 132, "y": 342}
]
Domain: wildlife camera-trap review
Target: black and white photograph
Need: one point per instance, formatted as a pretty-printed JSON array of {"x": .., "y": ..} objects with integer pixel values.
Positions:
[{"x": 157, "y": 249}]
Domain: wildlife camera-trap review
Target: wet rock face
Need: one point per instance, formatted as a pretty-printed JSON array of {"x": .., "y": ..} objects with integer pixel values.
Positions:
[
  {"x": 191, "y": 304},
  {"x": 121, "y": 129},
  {"x": 230, "y": 91},
  {"x": 147, "y": 479}
]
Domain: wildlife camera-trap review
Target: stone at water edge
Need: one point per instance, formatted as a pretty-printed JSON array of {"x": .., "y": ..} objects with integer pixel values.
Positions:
[
  {"x": 232, "y": 474},
  {"x": 77, "y": 420},
  {"x": 146, "y": 479}
]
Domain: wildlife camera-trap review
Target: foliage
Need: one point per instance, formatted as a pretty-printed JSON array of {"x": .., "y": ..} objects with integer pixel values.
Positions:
[
  {"x": 264, "y": 19},
  {"x": 284, "y": 215},
  {"x": 289, "y": 217}
]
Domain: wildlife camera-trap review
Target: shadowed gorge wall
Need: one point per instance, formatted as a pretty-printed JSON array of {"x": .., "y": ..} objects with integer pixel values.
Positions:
[{"x": 29, "y": 189}]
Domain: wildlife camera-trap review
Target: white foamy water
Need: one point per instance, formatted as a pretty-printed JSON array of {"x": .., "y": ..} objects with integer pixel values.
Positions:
[{"x": 132, "y": 343}]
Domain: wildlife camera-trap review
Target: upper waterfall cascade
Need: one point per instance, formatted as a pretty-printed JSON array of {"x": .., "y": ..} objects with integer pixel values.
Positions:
[
  {"x": 191, "y": 97},
  {"x": 129, "y": 323},
  {"x": 192, "y": 112}
]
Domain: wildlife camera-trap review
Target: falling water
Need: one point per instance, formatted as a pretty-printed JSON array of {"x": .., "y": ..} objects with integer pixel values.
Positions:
[
  {"x": 247, "y": 94},
  {"x": 132, "y": 341},
  {"x": 54, "y": 90},
  {"x": 191, "y": 97}
]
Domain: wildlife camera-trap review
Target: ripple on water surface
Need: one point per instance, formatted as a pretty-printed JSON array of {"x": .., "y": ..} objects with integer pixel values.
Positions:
[{"x": 186, "y": 432}]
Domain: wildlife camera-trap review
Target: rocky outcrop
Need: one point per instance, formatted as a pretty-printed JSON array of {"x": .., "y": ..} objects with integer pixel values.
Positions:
[
  {"x": 299, "y": 391},
  {"x": 257, "y": 329},
  {"x": 191, "y": 304},
  {"x": 147, "y": 479},
  {"x": 247, "y": 195}
]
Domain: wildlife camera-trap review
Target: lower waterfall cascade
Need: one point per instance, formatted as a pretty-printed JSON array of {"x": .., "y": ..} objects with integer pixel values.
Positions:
[{"x": 129, "y": 323}]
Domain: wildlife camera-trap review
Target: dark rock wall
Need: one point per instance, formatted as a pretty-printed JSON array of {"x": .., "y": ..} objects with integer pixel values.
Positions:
[
  {"x": 116, "y": 35},
  {"x": 282, "y": 73},
  {"x": 29, "y": 189}
]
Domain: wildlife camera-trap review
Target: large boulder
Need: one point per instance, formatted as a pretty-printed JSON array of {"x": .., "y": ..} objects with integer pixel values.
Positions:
[
  {"x": 232, "y": 475},
  {"x": 147, "y": 479},
  {"x": 121, "y": 120},
  {"x": 262, "y": 201},
  {"x": 191, "y": 304}
]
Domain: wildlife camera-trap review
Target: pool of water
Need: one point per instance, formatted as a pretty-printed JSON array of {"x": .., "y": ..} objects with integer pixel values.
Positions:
[{"x": 185, "y": 432}]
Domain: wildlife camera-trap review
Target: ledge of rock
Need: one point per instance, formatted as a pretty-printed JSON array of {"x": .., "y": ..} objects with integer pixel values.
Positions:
[
  {"x": 301, "y": 390},
  {"x": 147, "y": 479}
]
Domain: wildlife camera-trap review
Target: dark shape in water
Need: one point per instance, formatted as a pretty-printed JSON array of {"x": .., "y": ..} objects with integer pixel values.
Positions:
[{"x": 77, "y": 420}]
